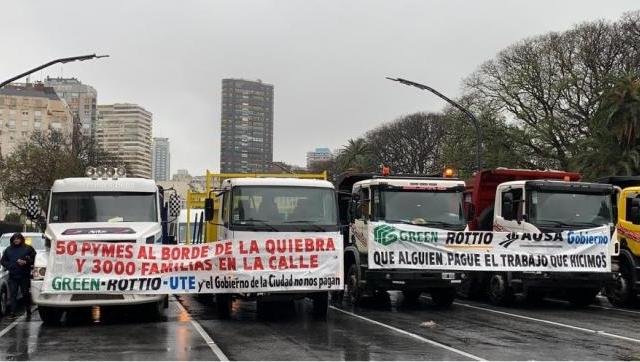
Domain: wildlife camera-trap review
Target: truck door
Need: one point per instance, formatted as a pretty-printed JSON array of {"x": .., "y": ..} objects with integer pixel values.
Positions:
[
  {"x": 361, "y": 212},
  {"x": 508, "y": 200},
  {"x": 223, "y": 223}
]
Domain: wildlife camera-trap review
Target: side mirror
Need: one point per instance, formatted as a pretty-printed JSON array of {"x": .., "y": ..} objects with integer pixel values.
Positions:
[
  {"x": 634, "y": 212},
  {"x": 507, "y": 206},
  {"x": 174, "y": 205},
  {"x": 33, "y": 207},
  {"x": 208, "y": 209}
]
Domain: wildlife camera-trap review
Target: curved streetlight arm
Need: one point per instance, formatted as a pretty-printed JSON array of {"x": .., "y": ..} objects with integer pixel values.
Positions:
[
  {"x": 61, "y": 60},
  {"x": 473, "y": 118}
]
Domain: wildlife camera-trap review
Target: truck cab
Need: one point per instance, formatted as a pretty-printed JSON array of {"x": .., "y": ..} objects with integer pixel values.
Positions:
[
  {"x": 99, "y": 208},
  {"x": 367, "y": 200},
  {"x": 624, "y": 292},
  {"x": 253, "y": 206},
  {"x": 534, "y": 202}
]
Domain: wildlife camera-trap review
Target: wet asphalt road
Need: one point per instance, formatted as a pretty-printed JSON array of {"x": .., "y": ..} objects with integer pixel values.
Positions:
[{"x": 191, "y": 330}]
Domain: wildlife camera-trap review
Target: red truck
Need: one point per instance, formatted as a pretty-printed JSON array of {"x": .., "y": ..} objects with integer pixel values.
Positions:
[{"x": 537, "y": 201}]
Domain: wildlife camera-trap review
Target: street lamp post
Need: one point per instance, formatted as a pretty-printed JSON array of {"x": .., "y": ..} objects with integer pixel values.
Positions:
[
  {"x": 61, "y": 60},
  {"x": 468, "y": 113}
]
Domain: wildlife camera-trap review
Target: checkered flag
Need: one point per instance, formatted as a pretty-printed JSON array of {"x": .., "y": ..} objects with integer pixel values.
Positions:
[
  {"x": 33, "y": 207},
  {"x": 174, "y": 205}
]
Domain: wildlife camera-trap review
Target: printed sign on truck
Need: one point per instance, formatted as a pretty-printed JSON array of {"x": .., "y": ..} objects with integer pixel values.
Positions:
[
  {"x": 415, "y": 247},
  {"x": 291, "y": 262}
]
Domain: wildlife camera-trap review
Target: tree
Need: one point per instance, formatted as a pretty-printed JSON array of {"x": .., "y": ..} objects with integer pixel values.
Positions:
[
  {"x": 409, "y": 144},
  {"x": 615, "y": 147},
  {"x": 355, "y": 156},
  {"x": 549, "y": 87},
  {"x": 34, "y": 166},
  {"x": 12, "y": 217}
]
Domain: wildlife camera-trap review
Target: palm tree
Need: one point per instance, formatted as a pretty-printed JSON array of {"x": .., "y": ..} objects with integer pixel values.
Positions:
[
  {"x": 355, "y": 156},
  {"x": 619, "y": 111}
]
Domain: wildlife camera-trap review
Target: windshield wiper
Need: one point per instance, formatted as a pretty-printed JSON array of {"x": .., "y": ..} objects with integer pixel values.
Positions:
[
  {"x": 425, "y": 224},
  {"x": 308, "y": 222},
  {"x": 263, "y": 222},
  {"x": 570, "y": 224}
]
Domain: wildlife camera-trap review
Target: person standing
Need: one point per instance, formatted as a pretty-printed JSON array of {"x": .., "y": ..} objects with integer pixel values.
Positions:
[{"x": 18, "y": 258}]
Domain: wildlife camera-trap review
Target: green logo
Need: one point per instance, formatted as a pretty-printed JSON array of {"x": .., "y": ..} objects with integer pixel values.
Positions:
[{"x": 385, "y": 234}]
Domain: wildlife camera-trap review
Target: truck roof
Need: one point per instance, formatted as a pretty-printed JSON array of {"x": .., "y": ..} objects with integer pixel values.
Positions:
[
  {"x": 345, "y": 181},
  {"x": 620, "y": 181},
  {"x": 87, "y": 184},
  {"x": 394, "y": 181},
  {"x": 277, "y": 181}
]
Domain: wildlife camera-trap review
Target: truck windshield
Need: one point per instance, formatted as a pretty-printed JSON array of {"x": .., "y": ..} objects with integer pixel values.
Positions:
[
  {"x": 569, "y": 209},
  {"x": 442, "y": 208},
  {"x": 68, "y": 207},
  {"x": 283, "y": 208}
]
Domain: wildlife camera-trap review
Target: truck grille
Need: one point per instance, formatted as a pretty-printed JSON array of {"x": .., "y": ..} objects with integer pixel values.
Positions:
[{"x": 84, "y": 297}]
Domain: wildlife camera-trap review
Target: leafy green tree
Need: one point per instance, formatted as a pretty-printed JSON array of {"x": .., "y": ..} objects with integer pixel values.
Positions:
[
  {"x": 355, "y": 156},
  {"x": 12, "y": 217}
]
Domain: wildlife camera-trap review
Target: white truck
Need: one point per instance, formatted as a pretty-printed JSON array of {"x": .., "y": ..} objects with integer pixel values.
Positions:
[
  {"x": 253, "y": 206},
  {"x": 369, "y": 200},
  {"x": 104, "y": 207},
  {"x": 534, "y": 202}
]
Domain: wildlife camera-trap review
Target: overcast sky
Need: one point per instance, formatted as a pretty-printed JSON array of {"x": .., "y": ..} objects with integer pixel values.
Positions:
[{"x": 326, "y": 59}]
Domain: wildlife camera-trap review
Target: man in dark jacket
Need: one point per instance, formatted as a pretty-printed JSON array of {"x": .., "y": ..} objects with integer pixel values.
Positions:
[{"x": 18, "y": 258}]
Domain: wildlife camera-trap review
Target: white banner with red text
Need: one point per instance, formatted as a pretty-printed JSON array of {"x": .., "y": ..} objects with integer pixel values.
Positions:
[
  {"x": 399, "y": 246},
  {"x": 288, "y": 262}
]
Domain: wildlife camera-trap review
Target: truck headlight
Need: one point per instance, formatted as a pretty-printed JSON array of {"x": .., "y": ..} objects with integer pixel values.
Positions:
[{"x": 38, "y": 273}]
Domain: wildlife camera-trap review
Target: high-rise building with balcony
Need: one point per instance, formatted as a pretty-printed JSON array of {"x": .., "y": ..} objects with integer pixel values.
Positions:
[
  {"x": 124, "y": 129},
  {"x": 81, "y": 99},
  {"x": 246, "y": 143}
]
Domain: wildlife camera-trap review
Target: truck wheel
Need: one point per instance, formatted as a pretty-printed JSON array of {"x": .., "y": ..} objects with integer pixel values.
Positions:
[
  {"x": 381, "y": 298},
  {"x": 223, "y": 306},
  {"x": 581, "y": 297},
  {"x": 352, "y": 290},
  {"x": 443, "y": 298},
  {"x": 320, "y": 305},
  {"x": 499, "y": 292},
  {"x": 50, "y": 315},
  {"x": 411, "y": 297},
  {"x": 622, "y": 293},
  {"x": 4, "y": 300}
]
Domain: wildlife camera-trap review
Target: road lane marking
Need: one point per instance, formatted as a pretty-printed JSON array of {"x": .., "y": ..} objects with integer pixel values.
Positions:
[
  {"x": 14, "y": 323},
  {"x": 413, "y": 335},
  {"x": 207, "y": 338},
  {"x": 600, "y": 306},
  {"x": 587, "y": 330}
]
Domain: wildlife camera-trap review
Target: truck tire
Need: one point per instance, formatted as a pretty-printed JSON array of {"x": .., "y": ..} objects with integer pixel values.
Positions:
[
  {"x": 320, "y": 305},
  {"x": 485, "y": 219},
  {"x": 443, "y": 298},
  {"x": 581, "y": 297},
  {"x": 223, "y": 306},
  {"x": 352, "y": 289},
  {"x": 622, "y": 293},
  {"x": 499, "y": 291},
  {"x": 50, "y": 315},
  {"x": 411, "y": 297}
]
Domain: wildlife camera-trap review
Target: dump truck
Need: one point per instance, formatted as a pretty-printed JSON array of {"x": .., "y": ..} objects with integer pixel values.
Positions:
[
  {"x": 367, "y": 201},
  {"x": 276, "y": 205},
  {"x": 624, "y": 291},
  {"x": 534, "y": 202},
  {"x": 104, "y": 206}
]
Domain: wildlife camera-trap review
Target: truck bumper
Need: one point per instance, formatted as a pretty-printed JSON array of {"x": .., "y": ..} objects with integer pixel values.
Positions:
[
  {"x": 394, "y": 279},
  {"x": 87, "y": 300},
  {"x": 549, "y": 280}
]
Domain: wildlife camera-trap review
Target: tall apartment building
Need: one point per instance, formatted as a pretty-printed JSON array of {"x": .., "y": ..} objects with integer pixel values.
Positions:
[
  {"x": 25, "y": 108},
  {"x": 318, "y": 155},
  {"x": 246, "y": 126},
  {"x": 125, "y": 130},
  {"x": 81, "y": 99},
  {"x": 161, "y": 156}
]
